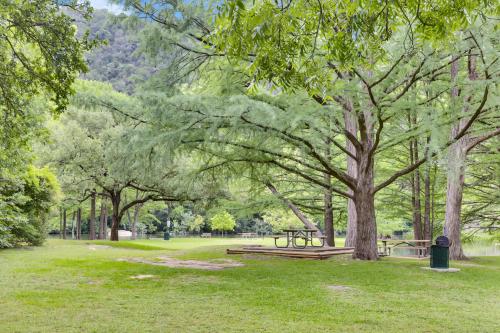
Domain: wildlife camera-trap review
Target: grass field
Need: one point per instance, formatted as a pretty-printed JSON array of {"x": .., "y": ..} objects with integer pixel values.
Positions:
[{"x": 75, "y": 286}]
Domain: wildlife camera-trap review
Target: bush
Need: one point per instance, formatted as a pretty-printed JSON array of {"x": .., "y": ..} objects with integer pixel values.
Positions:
[{"x": 25, "y": 202}]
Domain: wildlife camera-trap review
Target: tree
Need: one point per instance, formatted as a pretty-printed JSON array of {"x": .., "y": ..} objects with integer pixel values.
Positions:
[
  {"x": 459, "y": 149},
  {"x": 196, "y": 224},
  {"x": 222, "y": 221},
  {"x": 91, "y": 151},
  {"x": 268, "y": 35},
  {"x": 358, "y": 68},
  {"x": 24, "y": 207},
  {"x": 39, "y": 55}
]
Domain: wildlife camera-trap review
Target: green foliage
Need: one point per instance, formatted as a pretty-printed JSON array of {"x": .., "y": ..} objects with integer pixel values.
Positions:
[
  {"x": 39, "y": 54},
  {"x": 281, "y": 219},
  {"x": 25, "y": 203},
  {"x": 222, "y": 221},
  {"x": 196, "y": 223},
  {"x": 291, "y": 45}
]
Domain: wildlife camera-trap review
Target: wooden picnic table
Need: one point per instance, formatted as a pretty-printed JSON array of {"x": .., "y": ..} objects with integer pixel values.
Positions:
[
  {"x": 293, "y": 234},
  {"x": 411, "y": 243}
]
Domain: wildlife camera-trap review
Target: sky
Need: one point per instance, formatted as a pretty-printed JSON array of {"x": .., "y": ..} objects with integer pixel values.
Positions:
[{"x": 103, "y": 4}]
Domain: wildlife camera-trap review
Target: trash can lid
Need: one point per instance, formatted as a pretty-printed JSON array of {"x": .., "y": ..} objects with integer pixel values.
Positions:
[{"x": 443, "y": 241}]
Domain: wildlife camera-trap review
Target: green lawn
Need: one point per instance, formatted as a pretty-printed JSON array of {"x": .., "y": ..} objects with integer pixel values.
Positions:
[{"x": 66, "y": 286}]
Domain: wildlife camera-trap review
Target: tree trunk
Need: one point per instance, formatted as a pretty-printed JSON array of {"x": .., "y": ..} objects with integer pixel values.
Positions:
[
  {"x": 456, "y": 172},
  {"x": 454, "y": 194},
  {"x": 351, "y": 127},
  {"x": 364, "y": 195},
  {"x": 415, "y": 182},
  {"x": 417, "y": 212},
  {"x": 79, "y": 223},
  {"x": 100, "y": 235},
  {"x": 64, "y": 224},
  {"x": 105, "y": 221},
  {"x": 60, "y": 223},
  {"x": 134, "y": 222},
  {"x": 366, "y": 238},
  {"x": 328, "y": 213},
  {"x": 308, "y": 224},
  {"x": 115, "y": 217},
  {"x": 92, "y": 217},
  {"x": 73, "y": 225},
  {"x": 427, "y": 202}
]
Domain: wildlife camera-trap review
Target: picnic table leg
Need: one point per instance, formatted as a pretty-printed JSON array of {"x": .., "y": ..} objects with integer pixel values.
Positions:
[
  {"x": 294, "y": 243},
  {"x": 322, "y": 241}
]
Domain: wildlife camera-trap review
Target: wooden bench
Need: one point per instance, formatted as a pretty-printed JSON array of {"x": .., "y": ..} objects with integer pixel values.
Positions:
[
  {"x": 420, "y": 249},
  {"x": 206, "y": 235},
  {"x": 248, "y": 235}
]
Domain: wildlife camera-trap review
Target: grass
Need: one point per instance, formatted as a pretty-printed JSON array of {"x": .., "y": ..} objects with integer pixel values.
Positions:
[{"x": 65, "y": 286}]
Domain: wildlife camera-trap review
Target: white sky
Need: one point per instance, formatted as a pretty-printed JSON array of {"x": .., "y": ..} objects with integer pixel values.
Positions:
[{"x": 103, "y": 4}]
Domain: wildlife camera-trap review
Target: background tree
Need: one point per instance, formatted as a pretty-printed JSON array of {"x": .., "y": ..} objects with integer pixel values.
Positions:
[{"x": 222, "y": 221}]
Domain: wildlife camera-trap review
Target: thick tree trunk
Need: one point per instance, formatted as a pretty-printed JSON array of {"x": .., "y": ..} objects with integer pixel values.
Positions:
[
  {"x": 456, "y": 172},
  {"x": 364, "y": 195},
  {"x": 308, "y": 224},
  {"x": 366, "y": 238},
  {"x": 328, "y": 213},
  {"x": 115, "y": 217},
  {"x": 351, "y": 127},
  {"x": 64, "y": 224},
  {"x": 92, "y": 217},
  {"x": 454, "y": 194}
]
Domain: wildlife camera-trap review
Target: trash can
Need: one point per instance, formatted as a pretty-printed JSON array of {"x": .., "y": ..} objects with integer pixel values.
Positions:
[
  {"x": 440, "y": 253},
  {"x": 166, "y": 235}
]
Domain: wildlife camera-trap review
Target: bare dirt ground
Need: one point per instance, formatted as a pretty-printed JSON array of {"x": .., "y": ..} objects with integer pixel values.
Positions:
[{"x": 215, "y": 265}]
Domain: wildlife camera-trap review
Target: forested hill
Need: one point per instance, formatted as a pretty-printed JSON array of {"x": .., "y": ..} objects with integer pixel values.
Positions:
[{"x": 115, "y": 62}]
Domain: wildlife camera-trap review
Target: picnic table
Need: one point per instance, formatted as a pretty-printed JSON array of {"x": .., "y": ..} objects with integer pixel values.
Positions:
[
  {"x": 292, "y": 235},
  {"x": 421, "y": 245},
  {"x": 248, "y": 235}
]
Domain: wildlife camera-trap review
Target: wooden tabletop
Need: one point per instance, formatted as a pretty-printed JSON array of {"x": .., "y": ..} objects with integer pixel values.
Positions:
[
  {"x": 296, "y": 230},
  {"x": 405, "y": 240}
]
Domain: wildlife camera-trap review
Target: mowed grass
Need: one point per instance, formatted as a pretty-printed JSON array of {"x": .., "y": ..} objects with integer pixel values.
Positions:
[{"x": 75, "y": 286}]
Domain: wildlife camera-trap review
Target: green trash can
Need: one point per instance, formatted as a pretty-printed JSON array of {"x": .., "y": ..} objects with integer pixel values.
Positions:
[
  {"x": 166, "y": 235},
  {"x": 440, "y": 253}
]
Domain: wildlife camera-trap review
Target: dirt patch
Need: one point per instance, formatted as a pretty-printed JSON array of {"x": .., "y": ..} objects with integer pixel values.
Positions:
[
  {"x": 339, "y": 288},
  {"x": 143, "y": 276},
  {"x": 177, "y": 263},
  {"x": 98, "y": 247}
]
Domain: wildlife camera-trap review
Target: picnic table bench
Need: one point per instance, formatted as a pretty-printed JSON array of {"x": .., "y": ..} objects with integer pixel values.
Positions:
[
  {"x": 206, "y": 235},
  {"x": 292, "y": 235},
  {"x": 248, "y": 235},
  {"x": 420, "y": 245}
]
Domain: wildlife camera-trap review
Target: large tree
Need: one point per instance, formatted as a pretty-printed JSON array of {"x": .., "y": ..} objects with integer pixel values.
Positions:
[
  {"x": 95, "y": 150},
  {"x": 317, "y": 45},
  {"x": 362, "y": 61}
]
